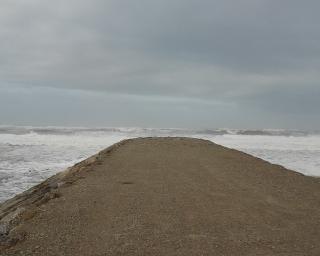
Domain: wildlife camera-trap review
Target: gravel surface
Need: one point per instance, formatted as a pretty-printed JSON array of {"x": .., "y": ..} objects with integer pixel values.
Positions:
[{"x": 166, "y": 196}]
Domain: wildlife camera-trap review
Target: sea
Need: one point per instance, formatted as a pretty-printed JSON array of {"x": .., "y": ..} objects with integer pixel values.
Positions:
[{"x": 29, "y": 155}]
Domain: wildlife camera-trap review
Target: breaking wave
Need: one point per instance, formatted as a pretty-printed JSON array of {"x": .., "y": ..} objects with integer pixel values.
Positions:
[
  {"x": 20, "y": 130},
  {"x": 29, "y": 155}
]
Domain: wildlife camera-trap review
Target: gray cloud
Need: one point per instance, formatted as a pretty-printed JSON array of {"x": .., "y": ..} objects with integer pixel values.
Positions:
[{"x": 258, "y": 55}]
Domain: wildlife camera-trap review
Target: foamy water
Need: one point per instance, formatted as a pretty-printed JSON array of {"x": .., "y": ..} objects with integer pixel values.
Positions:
[{"x": 29, "y": 155}]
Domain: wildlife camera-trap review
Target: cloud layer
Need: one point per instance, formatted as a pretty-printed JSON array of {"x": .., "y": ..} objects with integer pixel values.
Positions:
[{"x": 257, "y": 55}]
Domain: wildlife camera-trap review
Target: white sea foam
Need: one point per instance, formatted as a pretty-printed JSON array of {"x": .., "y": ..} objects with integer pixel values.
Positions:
[
  {"x": 28, "y": 155},
  {"x": 299, "y": 153}
]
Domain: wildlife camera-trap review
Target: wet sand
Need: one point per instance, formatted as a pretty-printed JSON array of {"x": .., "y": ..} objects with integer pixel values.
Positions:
[{"x": 166, "y": 196}]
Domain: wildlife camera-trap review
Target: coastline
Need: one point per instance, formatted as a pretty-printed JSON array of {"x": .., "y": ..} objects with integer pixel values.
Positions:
[{"x": 12, "y": 210}]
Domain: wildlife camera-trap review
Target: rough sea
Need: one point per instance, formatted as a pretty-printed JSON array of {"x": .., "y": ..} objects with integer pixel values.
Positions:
[{"x": 29, "y": 155}]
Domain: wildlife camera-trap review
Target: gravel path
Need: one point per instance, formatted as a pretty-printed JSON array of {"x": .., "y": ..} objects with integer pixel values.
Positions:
[{"x": 166, "y": 196}]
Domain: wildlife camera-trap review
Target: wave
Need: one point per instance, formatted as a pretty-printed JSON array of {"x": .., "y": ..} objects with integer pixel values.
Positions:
[
  {"x": 29, "y": 155},
  {"x": 56, "y": 130}
]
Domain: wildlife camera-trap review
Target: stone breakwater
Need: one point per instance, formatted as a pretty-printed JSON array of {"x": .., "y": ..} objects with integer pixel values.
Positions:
[
  {"x": 24, "y": 206},
  {"x": 166, "y": 196}
]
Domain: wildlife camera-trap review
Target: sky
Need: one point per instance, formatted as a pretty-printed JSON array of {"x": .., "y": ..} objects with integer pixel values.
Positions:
[{"x": 161, "y": 63}]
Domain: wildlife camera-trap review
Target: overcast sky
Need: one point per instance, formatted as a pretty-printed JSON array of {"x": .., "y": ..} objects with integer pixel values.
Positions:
[{"x": 161, "y": 63}]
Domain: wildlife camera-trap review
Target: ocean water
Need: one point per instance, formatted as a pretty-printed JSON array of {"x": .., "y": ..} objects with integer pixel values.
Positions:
[{"x": 29, "y": 155}]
